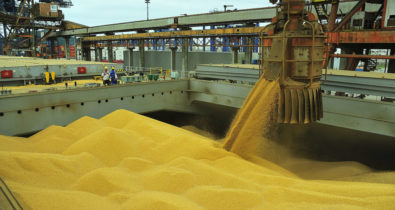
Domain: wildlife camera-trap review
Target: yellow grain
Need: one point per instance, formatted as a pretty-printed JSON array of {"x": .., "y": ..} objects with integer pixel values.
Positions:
[{"x": 128, "y": 161}]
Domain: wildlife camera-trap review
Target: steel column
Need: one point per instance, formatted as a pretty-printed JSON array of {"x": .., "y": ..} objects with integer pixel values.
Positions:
[
  {"x": 235, "y": 51},
  {"x": 67, "y": 47},
  {"x": 142, "y": 53},
  {"x": 131, "y": 49},
  {"x": 100, "y": 54},
  {"x": 173, "y": 57},
  {"x": 185, "y": 57},
  {"x": 249, "y": 50},
  {"x": 110, "y": 52},
  {"x": 53, "y": 53}
]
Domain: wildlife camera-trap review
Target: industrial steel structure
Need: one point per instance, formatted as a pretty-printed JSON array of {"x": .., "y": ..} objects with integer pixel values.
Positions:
[
  {"x": 356, "y": 28},
  {"x": 22, "y": 20}
]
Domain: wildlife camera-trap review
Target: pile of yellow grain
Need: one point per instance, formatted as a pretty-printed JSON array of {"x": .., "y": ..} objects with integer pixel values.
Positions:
[
  {"x": 58, "y": 86},
  {"x": 128, "y": 161}
]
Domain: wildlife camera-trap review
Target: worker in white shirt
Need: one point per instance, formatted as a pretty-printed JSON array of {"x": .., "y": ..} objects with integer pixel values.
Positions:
[{"x": 106, "y": 76}]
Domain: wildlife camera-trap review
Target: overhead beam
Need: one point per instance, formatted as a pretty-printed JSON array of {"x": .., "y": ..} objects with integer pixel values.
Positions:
[
  {"x": 217, "y": 18},
  {"x": 362, "y": 37},
  {"x": 249, "y": 31}
]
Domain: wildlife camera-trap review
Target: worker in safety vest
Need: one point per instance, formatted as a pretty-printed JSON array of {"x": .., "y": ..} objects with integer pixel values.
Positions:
[
  {"x": 113, "y": 76},
  {"x": 106, "y": 76}
]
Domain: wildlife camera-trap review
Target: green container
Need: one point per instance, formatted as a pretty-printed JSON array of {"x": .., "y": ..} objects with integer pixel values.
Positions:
[{"x": 155, "y": 77}]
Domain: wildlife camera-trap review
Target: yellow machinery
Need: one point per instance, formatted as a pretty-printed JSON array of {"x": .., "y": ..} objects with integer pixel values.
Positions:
[
  {"x": 293, "y": 54},
  {"x": 46, "y": 77},
  {"x": 49, "y": 76}
]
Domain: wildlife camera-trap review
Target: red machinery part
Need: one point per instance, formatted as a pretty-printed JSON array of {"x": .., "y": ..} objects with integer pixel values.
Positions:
[
  {"x": 81, "y": 70},
  {"x": 6, "y": 74}
]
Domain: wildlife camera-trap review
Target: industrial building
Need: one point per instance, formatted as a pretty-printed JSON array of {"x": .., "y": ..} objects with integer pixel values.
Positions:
[{"x": 334, "y": 61}]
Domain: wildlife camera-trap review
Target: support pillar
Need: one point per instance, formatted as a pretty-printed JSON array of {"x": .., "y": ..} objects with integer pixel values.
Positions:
[
  {"x": 100, "y": 54},
  {"x": 185, "y": 57},
  {"x": 366, "y": 61},
  {"x": 391, "y": 64},
  {"x": 249, "y": 50},
  {"x": 53, "y": 53},
  {"x": 114, "y": 55},
  {"x": 67, "y": 47},
  {"x": 86, "y": 51},
  {"x": 96, "y": 53},
  {"x": 142, "y": 53},
  {"x": 34, "y": 42},
  {"x": 110, "y": 51},
  {"x": 131, "y": 49},
  {"x": 173, "y": 57},
  {"x": 235, "y": 51}
]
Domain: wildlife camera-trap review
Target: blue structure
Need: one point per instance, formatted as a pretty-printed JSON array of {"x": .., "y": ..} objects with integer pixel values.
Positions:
[{"x": 212, "y": 48}]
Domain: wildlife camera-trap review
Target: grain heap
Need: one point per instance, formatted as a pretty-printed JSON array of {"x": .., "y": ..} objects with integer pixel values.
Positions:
[
  {"x": 58, "y": 86},
  {"x": 128, "y": 161}
]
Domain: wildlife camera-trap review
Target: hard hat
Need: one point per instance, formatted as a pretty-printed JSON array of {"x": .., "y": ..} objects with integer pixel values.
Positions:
[
  {"x": 106, "y": 67},
  {"x": 113, "y": 68}
]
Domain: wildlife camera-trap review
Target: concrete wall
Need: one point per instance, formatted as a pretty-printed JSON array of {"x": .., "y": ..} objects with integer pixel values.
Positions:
[{"x": 163, "y": 58}]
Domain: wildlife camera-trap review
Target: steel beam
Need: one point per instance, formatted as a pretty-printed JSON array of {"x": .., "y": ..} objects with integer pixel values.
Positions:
[
  {"x": 248, "y": 31},
  {"x": 119, "y": 27},
  {"x": 362, "y": 56},
  {"x": 217, "y": 18},
  {"x": 362, "y": 37}
]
